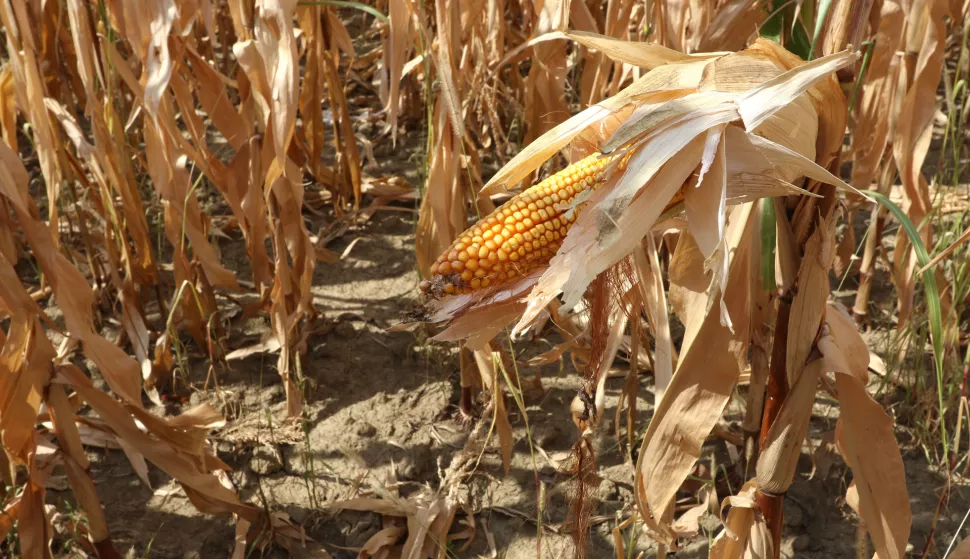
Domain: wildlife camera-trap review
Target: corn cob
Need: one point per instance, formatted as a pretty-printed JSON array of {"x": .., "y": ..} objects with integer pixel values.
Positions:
[
  {"x": 521, "y": 235},
  {"x": 518, "y": 237}
]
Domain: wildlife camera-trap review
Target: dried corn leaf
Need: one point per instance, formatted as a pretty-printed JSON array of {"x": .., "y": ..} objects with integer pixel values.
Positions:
[
  {"x": 74, "y": 295},
  {"x": 645, "y": 55},
  {"x": 864, "y": 434},
  {"x": 205, "y": 490}
]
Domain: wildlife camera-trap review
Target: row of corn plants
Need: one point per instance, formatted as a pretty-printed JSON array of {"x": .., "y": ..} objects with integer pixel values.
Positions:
[
  {"x": 707, "y": 183},
  {"x": 701, "y": 141}
]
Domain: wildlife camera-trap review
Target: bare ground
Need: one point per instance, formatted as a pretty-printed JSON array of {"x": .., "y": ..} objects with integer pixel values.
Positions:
[{"x": 379, "y": 402}]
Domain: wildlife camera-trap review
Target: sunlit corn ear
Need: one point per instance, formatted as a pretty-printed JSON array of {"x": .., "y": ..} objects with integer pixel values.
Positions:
[
  {"x": 728, "y": 129},
  {"x": 518, "y": 237}
]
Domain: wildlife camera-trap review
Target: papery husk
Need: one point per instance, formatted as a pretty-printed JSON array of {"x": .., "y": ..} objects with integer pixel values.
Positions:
[
  {"x": 783, "y": 445},
  {"x": 695, "y": 398}
]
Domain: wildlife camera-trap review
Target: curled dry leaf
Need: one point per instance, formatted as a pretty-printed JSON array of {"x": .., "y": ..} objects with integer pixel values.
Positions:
[
  {"x": 427, "y": 520},
  {"x": 745, "y": 534},
  {"x": 864, "y": 435}
]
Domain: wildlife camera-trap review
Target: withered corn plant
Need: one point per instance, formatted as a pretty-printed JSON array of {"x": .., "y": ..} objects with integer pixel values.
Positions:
[
  {"x": 127, "y": 107},
  {"x": 689, "y": 153},
  {"x": 904, "y": 72},
  {"x": 895, "y": 118}
]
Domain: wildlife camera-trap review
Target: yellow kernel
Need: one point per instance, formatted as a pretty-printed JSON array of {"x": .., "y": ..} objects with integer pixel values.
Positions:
[
  {"x": 514, "y": 256},
  {"x": 476, "y": 283},
  {"x": 472, "y": 264},
  {"x": 482, "y": 253},
  {"x": 449, "y": 288},
  {"x": 498, "y": 240},
  {"x": 458, "y": 266},
  {"x": 434, "y": 269},
  {"x": 486, "y": 282},
  {"x": 463, "y": 256},
  {"x": 444, "y": 268},
  {"x": 520, "y": 227},
  {"x": 466, "y": 276},
  {"x": 480, "y": 274}
]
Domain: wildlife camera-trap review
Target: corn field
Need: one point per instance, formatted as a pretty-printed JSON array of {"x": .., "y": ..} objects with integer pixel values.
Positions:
[{"x": 498, "y": 278}]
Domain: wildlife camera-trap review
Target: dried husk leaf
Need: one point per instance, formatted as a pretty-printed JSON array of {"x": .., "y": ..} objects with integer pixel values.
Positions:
[
  {"x": 700, "y": 388},
  {"x": 808, "y": 304},
  {"x": 650, "y": 283},
  {"x": 782, "y": 447}
]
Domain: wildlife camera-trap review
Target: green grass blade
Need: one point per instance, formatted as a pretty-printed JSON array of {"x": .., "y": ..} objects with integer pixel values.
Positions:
[
  {"x": 823, "y": 14},
  {"x": 775, "y": 22},
  {"x": 932, "y": 301},
  {"x": 768, "y": 235},
  {"x": 869, "y": 46}
]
